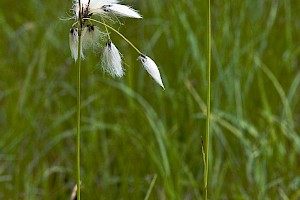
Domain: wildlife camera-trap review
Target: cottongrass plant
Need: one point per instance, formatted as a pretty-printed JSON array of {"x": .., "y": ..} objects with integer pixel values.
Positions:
[
  {"x": 90, "y": 34},
  {"x": 85, "y": 34}
]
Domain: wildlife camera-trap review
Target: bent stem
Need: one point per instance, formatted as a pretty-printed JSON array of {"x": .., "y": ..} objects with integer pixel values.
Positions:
[
  {"x": 106, "y": 29},
  {"x": 114, "y": 30},
  {"x": 208, "y": 99},
  {"x": 78, "y": 113}
]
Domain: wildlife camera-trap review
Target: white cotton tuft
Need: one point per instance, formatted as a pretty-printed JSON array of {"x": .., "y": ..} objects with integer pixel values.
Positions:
[
  {"x": 120, "y": 10},
  {"x": 151, "y": 68},
  {"x": 112, "y": 61},
  {"x": 91, "y": 36},
  {"x": 73, "y": 42},
  {"x": 97, "y": 4},
  {"x": 105, "y": 7},
  {"x": 84, "y": 4}
]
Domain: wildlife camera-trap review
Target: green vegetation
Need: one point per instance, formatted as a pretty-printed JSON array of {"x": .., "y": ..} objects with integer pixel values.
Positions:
[{"x": 137, "y": 140}]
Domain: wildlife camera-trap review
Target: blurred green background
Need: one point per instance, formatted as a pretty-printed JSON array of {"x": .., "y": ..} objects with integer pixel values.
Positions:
[{"x": 132, "y": 130}]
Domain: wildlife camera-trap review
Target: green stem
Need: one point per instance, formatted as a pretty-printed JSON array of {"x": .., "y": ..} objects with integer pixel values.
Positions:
[
  {"x": 151, "y": 187},
  {"x": 78, "y": 98},
  {"x": 78, "y": 112},
  {"x": 208, "y": 98},
  {"x": 106, "y": 29},
  {"x": 122, "y": 36}
]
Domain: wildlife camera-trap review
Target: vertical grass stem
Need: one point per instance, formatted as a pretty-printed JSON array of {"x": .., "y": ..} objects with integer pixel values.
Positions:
[
  {"x": 78, "y": 113},
  {"x": 78, "y": 99},
  {"x": 78, "y": 117},
  {"x": 208, "y": 99}
]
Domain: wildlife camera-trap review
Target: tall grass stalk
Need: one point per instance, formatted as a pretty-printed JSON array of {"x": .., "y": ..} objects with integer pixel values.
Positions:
[
  {"x": 208, "y": 99},
  {"x": 78, "y": 115},
  {"x": 78, "y": 102}
]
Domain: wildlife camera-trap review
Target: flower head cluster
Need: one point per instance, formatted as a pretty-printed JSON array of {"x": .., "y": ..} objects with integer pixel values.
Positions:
[{"x": 84, "y": 34}]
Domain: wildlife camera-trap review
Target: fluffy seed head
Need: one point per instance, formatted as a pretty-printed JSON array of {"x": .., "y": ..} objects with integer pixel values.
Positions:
[
  {"x": 111, "y": 60},
  {"x": 73, "y": 42},
  {"x": 91, "y": 35},
  {"x": 151, "y": 68},
  {"x": 121, "y": 10},
  {"x": 96, "y": 5},
  {"x": 104, "y": 8}
]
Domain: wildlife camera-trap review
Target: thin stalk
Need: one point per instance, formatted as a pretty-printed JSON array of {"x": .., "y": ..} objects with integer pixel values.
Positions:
[
  {"x": 106, "y": 29},
  {"x": 78, "y": 114},
  {"x": 78, "y": 100},
  {"x": 151, "y": 187},
  {"x": 208, "y": 99},
  {"x": 122, "y": 36}
]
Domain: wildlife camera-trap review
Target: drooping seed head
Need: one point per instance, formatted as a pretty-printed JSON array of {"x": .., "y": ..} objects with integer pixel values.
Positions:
[
  {"x": 111, "y": 60},
  {"x": 91, "y": 36},
  {"x": 104, "y": 8},
  {"x": 73, "y": 42},
  {"x": 151, "y": 68},
  {"x": 121, "y": 10}
]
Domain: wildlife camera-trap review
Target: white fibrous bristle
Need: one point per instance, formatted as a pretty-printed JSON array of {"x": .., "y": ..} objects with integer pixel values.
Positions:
[
  {"x": 151, "y": 68},
  {"x": 75, "y": 8},
  {"x": 92, "y": 5},
  {"x": 112, "y": 61},
  {"x": 73, "y": 42},
  {"x": 91, "y": 35},
  {"x": 105, "y": 7},
  {"x": 98, "y": 4},
  {"x": 121, "y": 10}
]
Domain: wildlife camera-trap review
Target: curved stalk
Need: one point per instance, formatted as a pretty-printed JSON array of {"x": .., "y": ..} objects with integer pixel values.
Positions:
[
  {"x": 114, "y": 30},
  {"x": 106, "y": 29}
]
